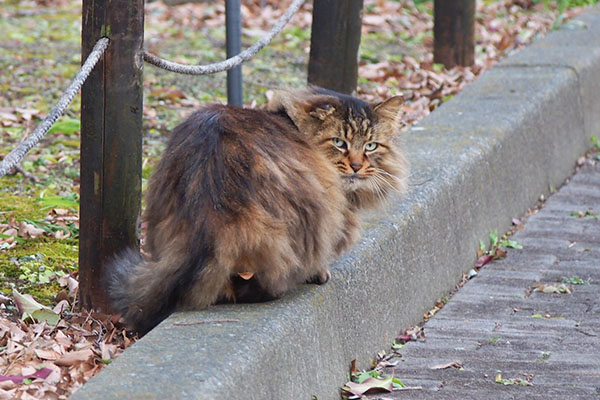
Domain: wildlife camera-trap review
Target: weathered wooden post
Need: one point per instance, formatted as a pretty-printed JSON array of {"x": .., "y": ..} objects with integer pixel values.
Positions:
[
  {"x": 233, "y": 28},
  {"x": 334, "y": 44},
  {"x": 454, "y": 32},
  {"x": 111, "y": 142}
]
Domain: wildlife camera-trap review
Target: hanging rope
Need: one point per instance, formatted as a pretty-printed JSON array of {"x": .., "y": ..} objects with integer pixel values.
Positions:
[
  {"x": 15, "y": 156},
  {"x": 230, "y": 62}
]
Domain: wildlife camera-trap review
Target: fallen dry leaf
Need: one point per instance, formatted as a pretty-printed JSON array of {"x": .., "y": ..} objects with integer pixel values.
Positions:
[
  {"x": 483, "y": 260},
  {"x": 74, "y": 357},
  {"x": 550, "y": 288},
  {"x": 47, "y": 354},
  {"x": 412, "y": 333},
  {"x": 39, "y": 374},
  {"x": 61, "y": 306},
  {"x": 353, "y": 369},
  {"x": 62, "y": 234},
  {"x": 107, "y": 351},
  {"x": 452, "y": 364},
  {"x": 59, "y": 212},
  {"x": 7, "y": 394},
  {"x": 63, "y": 339},
  {"x": 29, "y": 231},
  {"x": 370, "y": 385},
  {"x": 29, "y": 308}
]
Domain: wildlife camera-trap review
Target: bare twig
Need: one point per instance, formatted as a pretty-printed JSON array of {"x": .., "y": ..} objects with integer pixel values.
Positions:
[
  {"x": 26, "y": 174},
  {"x": 213, "y": 321}
]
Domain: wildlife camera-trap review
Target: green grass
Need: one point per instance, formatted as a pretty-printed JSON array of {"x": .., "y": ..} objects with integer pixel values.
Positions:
[{"x": 566, "y": 4}]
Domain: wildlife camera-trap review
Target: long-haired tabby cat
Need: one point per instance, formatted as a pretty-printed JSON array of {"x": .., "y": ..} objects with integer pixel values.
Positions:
[{"x": 272, "y": 196}]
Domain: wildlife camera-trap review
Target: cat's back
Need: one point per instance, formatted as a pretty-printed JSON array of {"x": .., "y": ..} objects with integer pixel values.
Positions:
[
  {"x": 231, "y": 159},
  {"x": 239, "y": 132},
  {"x": 227, "y": 121}
]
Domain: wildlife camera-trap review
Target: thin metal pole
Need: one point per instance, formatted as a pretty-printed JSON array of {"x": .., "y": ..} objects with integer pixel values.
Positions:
[{"x": 233, "y": 23}]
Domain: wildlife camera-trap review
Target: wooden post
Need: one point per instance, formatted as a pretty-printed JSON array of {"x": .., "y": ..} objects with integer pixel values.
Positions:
[
  {"x": 334, "y": 44},
  {"x": 233, "y": 28},
  {"x": 454, "y": 32},
  {"x": 111, "y": 142}
]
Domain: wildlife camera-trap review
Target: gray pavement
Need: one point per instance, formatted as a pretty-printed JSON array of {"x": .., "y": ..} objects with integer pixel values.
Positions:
[{"x": 499, "y": 327}]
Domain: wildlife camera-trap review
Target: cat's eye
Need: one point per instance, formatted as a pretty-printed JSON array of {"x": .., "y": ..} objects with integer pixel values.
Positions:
[
  {"x": 371, "y": 146},
  {"x": 337, "y": 142}
]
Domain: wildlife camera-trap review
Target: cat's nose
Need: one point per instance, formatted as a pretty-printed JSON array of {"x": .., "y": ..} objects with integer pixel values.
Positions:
[{"x": 356, "y": 166}]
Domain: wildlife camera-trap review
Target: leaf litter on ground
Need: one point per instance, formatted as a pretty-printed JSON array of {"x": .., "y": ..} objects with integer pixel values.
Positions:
[
  {"x": 551, "y": 288},
  {"x": 413, "y": 333},
  {"x": 585, "y": 214},
  {"x": 372, "y": 381},
  {"x": 512, "y": 381},
  {"x": 574, "y": 280},
  {"x": 50, "y": 353}
]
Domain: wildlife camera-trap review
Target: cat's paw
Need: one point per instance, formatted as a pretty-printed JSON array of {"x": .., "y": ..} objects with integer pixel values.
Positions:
[{"x": 320, "y": 279}]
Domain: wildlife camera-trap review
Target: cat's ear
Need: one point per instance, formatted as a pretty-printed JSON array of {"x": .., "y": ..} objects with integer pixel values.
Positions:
[
  {"x": 389, "y": 109},
  {"x": 388, "y": 112},
  {"x": 311, "y": 113},
  {"x": 306, "y": 110},
  {"x": 322, "y": 111}
]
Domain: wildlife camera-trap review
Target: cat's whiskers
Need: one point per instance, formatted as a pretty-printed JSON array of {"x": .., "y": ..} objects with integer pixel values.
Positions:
[
  {"x": 377, "y": 189},
  {"x": 384, "y": 172},
  {"x": 384, "y": 186},
  {"x": 389, "y": 185},
  {"x": 378, "y": 181}
]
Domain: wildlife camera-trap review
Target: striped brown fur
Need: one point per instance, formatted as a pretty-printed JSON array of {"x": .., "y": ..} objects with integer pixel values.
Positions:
[{"x": 273, "y": 192}]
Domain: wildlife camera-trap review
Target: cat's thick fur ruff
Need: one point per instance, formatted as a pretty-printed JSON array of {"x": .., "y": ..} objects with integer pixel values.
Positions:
[{"x": 274, "y": 193}]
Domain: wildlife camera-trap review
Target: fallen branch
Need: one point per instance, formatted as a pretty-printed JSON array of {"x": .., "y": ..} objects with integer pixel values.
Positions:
[{"x": 213, "y": 321}]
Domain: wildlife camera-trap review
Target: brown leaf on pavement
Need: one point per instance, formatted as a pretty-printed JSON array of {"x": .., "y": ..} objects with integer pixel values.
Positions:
[{"x": 452, "y": 364}]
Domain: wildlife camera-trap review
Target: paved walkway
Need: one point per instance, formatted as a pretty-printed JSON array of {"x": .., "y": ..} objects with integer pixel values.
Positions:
[{"x": 499, "y": 328}]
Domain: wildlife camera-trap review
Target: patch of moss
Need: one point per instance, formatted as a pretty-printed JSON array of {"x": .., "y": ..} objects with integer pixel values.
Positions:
[
  {"x": 33, "y": 267},
  {"x": 8, "y": 272},
  {"x": 17, "y": 205},
  {"x": 44, "y": 294}
]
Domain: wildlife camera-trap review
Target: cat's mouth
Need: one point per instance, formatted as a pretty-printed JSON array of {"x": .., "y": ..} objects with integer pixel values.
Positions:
[{"x": 353, "y": 182}]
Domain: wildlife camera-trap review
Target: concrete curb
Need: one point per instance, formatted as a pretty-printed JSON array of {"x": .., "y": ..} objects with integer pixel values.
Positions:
[{"x": 482, "y": 158}]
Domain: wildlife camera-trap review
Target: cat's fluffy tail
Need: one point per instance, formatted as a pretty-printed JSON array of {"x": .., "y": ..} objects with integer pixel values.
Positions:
[{"x": 144, "y": 291}]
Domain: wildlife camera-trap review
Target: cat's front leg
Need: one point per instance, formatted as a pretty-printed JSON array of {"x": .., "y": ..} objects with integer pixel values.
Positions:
[
  {"x": 320, "y": 279},
  {"x": 350, "y": 233}
]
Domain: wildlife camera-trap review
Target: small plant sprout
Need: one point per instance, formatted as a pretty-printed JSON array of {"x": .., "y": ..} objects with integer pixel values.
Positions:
[{"x": 574, "y": 280}]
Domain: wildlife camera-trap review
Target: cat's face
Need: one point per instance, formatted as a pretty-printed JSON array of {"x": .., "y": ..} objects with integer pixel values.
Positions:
[
  {"x": 360, "y": 145},
  {"x": 357, "y": 137}
]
